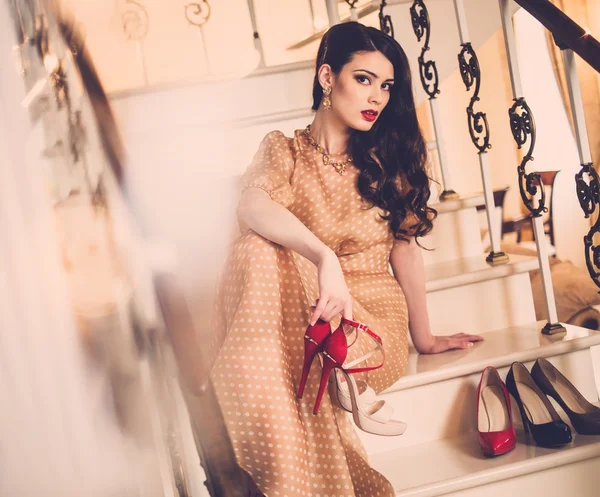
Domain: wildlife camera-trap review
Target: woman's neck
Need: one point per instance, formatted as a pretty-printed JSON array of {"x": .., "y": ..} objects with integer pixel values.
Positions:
[{"x": 330, "y": 133}]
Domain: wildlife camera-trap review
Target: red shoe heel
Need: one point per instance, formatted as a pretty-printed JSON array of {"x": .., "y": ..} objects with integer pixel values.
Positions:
[
  {"x": 328, "y": 366},
  {"x": 335, "y": 351},
  {"x": 496, "y": 432},
  {"x": 314, "y": 339}
]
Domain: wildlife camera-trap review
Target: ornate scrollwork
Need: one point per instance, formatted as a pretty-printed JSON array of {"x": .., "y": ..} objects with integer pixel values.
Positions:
[
  {"x": 522, "y": 127},
  {"x": 588, "y": 193},
  {"x": 351, "y": 3},
  {"x": 198, "y": 14},
  {"x": 422, "y": 28},
  {"x": 592, "y": 253},
  {"x": 471, "y": 75},
  {"x": 135, "y": 21},
  {"x": 385, "y": 20}
]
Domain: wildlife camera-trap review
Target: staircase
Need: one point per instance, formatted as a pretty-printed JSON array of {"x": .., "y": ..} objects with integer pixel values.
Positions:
[{"x": 439, "y": 453}]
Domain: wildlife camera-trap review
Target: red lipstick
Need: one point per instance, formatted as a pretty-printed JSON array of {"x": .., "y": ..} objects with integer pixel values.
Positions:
[{"x": 369, "y": 115}]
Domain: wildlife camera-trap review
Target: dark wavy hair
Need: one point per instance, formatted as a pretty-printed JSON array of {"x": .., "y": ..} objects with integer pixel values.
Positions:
[{"x": 391, "y": 155}]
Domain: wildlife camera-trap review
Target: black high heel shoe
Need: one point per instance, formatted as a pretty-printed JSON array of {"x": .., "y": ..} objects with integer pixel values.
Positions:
[
  {"x": 538, "y": 415},
  {"x": 584, "y": 416}
]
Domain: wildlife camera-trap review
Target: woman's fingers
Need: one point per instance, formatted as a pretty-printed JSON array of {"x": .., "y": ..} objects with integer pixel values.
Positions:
[
  {"x": 332, "y": 309},
  {"x": 459, "y": 343},
  {"x": 472, "y": 338},
  {"x": 319, "y": 308},
  {"x": 328, "y": 308}
]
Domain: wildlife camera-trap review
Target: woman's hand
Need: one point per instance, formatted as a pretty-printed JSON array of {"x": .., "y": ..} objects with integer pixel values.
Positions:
[
  {"x": 334, "y": 296},
  {"x": 444, "y": 343}
]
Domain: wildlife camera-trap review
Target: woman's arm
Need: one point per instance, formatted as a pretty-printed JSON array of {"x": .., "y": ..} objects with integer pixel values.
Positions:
[
  {"x": 276, "y": 223},
  {"x": 406, "y": 260}
]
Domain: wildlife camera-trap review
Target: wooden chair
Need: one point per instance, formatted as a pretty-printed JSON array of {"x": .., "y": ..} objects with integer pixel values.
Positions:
[
  {"x": 518, "y": 224},
  {"x": 499, "y": 197}
]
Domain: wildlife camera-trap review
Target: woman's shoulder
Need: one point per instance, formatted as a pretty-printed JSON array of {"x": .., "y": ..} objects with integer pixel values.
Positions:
[
  {"x": 277, "y": 140},
  {"x": 277, "y": 136}
]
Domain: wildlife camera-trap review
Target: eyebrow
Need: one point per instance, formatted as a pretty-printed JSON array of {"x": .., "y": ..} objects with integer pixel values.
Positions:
[{"x": 372, "y": 74}]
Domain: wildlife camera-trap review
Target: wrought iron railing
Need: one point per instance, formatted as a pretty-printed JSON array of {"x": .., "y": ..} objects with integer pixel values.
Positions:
[
  {"x": 570, "y": 38},
  {"x": 478, "y": 128},
  {"x": 430, "y": 81},
  {"x": 567, "y": 33}
]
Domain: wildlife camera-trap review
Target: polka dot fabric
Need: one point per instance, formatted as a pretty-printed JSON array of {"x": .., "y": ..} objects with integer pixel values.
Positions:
[{"x": 262, "y": 310}]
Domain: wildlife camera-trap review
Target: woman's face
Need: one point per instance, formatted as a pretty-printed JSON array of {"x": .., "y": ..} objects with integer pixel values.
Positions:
[{"x": 361, "y": 90}]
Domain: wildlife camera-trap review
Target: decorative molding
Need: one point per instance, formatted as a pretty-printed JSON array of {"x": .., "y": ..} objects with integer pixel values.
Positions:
[
  {"x": 198, "y": 14},
  {"x": 135, "y": 21}
]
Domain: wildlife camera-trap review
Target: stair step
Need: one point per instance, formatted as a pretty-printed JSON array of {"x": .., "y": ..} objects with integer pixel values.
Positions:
[
  {"x": 500, "y": 348},
  {"x": 455, "y": 234},
  {"x": 450, "y": 465},
  {"x": 437, "y": 396},
  {"x": 464, "y": 202},
  {"x": 469, "y": 270}
]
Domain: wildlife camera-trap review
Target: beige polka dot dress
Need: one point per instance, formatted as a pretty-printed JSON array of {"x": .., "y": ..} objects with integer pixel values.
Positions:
[{"x": 262, "y": 311}]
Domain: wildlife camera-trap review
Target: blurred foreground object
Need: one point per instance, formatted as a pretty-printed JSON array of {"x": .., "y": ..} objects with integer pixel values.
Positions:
[{"x": 90, "y": 401}]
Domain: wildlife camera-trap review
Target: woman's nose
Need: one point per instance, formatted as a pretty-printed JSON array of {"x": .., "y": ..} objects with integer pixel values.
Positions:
[{"x": 376, "y": 96}]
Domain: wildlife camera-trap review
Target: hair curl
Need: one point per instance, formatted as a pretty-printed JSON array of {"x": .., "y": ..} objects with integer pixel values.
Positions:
[{"x": 391, "y": 156}]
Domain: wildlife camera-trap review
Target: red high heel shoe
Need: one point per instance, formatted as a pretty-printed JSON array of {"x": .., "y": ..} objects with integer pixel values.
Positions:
[
  {"x": 335, "y": 350},
  {"x": 314, "y": 339},
  {"x": 374, "y": 416},
  {"x": 496, "y": 432}
]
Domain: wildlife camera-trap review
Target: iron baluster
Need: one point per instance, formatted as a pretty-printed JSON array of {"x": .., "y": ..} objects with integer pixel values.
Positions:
[
  {"x": 470, "y": 73},
  {"x": 385, "y": 20}
]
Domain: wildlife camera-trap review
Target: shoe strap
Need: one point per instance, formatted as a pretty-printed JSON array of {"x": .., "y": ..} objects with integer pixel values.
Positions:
[{"x": 378, "y": 348}]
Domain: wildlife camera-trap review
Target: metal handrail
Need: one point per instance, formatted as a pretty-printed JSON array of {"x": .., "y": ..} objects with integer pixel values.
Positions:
[{"x": 567, "y": 33}]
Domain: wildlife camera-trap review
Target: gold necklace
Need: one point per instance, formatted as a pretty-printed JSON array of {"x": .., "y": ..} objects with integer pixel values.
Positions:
[{"x": 340, "y": 167}]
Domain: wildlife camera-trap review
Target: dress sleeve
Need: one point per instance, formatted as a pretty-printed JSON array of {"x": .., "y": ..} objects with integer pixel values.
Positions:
[{"x": 271, "y": 169}]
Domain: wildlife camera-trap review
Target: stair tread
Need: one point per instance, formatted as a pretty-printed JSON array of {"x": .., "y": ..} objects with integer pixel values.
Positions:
[
  {"x": 500, "y": 348},
  {"x": 464, "y": 202},
  {"x": 436, "y": 468},
  {"x": 470, "y": 270}
]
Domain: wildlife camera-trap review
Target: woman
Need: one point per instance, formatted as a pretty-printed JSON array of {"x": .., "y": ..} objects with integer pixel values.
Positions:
[{"x": 327, "y": 210}]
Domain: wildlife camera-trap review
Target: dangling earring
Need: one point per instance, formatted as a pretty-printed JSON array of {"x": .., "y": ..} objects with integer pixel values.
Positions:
[{"x": 326, "y": 99}]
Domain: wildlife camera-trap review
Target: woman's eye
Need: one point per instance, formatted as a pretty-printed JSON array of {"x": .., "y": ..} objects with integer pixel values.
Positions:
[
  {"x": 387, "y": 86},
  {"x": 362, "y": 79}
]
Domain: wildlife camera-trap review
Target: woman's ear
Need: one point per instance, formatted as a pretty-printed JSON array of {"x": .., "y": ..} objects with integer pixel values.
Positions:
[{"x": 326, "y": 76}]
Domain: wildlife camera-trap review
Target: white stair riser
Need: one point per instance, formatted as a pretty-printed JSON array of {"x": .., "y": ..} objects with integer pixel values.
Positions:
[
  {"x": 480, "y": 307},
  {"x": 581, "y": 479},
  {"x": 455, "y": 235},
  {"x": 447, "y": 409}
]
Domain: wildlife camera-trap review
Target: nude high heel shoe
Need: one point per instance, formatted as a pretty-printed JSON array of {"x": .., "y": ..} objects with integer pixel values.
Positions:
[{"x": 375, "y": 417}]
